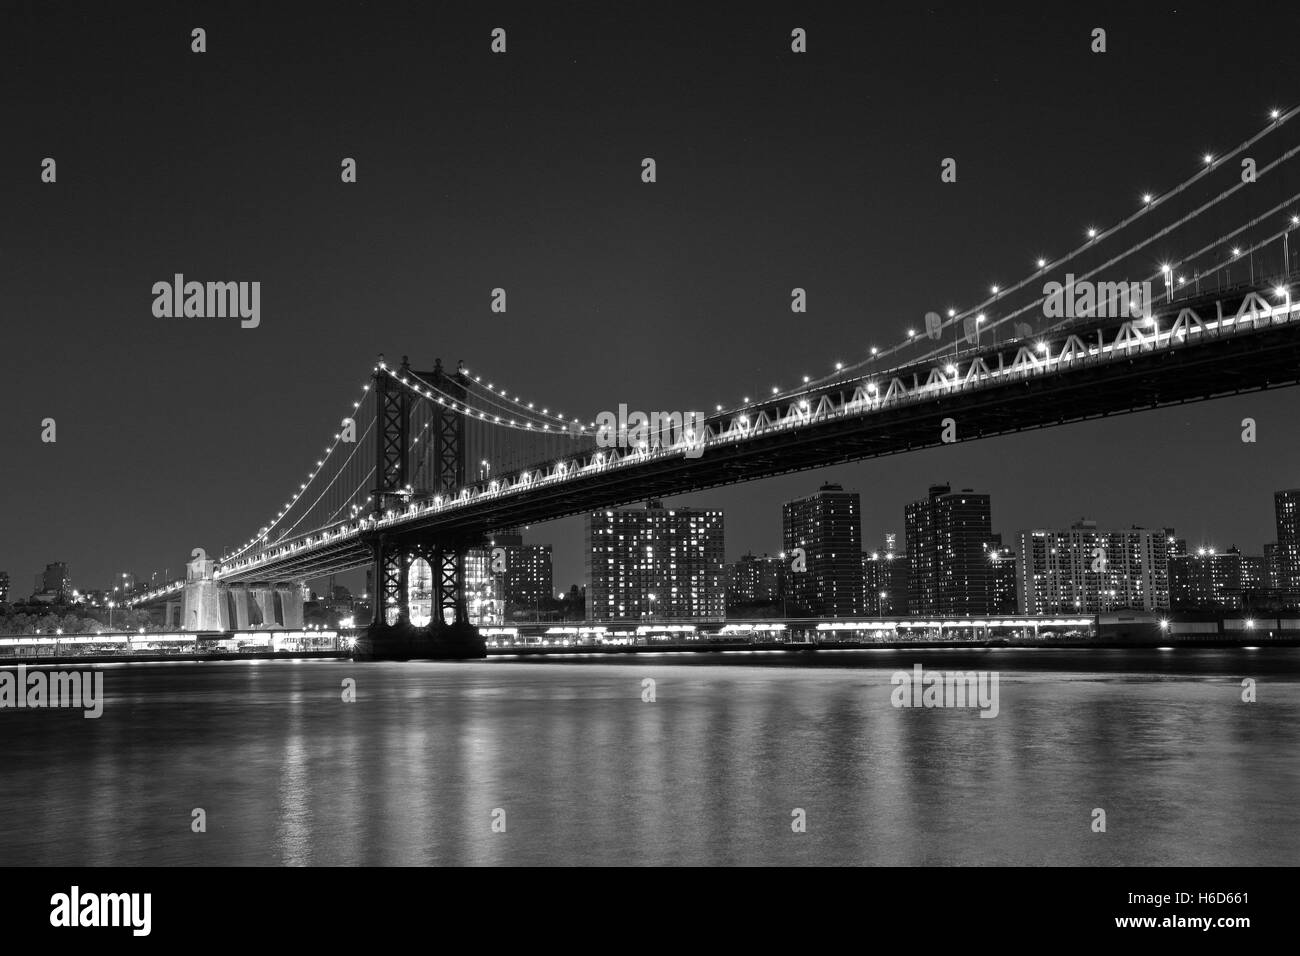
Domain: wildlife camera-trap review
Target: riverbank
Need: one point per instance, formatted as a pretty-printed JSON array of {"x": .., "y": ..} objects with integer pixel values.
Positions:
[{"x": 685, "y": 647}]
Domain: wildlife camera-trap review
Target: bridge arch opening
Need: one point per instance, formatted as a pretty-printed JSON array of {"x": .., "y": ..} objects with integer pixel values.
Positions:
[{"x": 419, "y": 587}]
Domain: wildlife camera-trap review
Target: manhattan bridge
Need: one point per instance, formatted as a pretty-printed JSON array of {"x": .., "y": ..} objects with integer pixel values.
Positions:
[{"x": 1189, "y": 297}]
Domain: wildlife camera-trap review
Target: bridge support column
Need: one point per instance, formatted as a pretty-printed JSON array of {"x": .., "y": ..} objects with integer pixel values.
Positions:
[
  {"x": 239, "y": 600},
  {"x": 263, "y": 599},
  {"x": 291, "y": 603}
]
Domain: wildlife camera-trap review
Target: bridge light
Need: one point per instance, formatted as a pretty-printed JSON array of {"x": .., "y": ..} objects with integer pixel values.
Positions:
[
  {"x": 717, "y": 408},
  {"x": 951, "y": 370},
  {"x": 1182, "y": 280},
  {"x": 805, "y": 379},
  {"x": 1164, "y": 624},
  {"x": 1280, "y": 291},
  {"x": 1042, "y": 263},
  {"x": 1274, "y": 114},
  {"x": 838, "y": 367},
  {"x": 911, "y": 332},
  {"x": 952, "y": 313},
  {"x": 774, "y": 390},
  {"x": 874, "y": 350},
  {"x": 1295, "y": 220},
  {"x": 979, "y": 318},
  {"x": 1146, "y": 198},
  {"x": 1236, "y": 251},
  {"x": 993, "y": 289},
  {"x": 1092, "y": 233},
  {"x": 1165, "y": 268},
  {"x": 1207, "y": 158},
  {"x": 1042, "y": 346}
]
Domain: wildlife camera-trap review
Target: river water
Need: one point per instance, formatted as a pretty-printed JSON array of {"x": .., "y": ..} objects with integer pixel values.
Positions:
[{"x": 576, "y": 768}]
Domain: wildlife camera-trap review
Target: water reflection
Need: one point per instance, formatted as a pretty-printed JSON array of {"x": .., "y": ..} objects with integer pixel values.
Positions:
[{"x": 709, "y": 773}]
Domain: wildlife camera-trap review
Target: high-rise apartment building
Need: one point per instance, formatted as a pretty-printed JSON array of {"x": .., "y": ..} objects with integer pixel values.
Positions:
[
  {"x": 756, "y": 579},
  {"x": 949, "y": 571},
  {"x": 655, "y": 563},
  {"x": 827, "y": 527},
  {"x": 1286, "y": 507},
  {"x": 1085, "y": 570},
  {"x": 1211, "y": 579},
  {"x": 525, "y": 571}
]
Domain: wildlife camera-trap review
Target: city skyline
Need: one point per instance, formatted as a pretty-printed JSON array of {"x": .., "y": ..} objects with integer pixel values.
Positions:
[{"x": 1285, "y": 503}]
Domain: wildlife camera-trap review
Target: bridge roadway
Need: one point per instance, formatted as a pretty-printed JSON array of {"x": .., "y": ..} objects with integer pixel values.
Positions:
[{"x": 1114, "y": 373}]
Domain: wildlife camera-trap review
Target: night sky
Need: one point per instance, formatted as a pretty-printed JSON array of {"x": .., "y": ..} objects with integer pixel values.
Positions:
[{"x": 522, "y": 171}]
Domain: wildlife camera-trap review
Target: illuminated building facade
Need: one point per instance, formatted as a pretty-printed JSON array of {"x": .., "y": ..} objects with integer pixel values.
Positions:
[
  {"x": 1084, "y": 570},
  {"x": 655, "y": 563}
]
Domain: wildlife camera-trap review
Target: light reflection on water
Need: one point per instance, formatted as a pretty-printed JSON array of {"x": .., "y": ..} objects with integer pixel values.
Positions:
[{"x": 707, "y": 774}]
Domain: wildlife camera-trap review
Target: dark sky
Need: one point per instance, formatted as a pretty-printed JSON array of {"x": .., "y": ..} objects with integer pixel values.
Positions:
[{"x": 522, "y": 171}]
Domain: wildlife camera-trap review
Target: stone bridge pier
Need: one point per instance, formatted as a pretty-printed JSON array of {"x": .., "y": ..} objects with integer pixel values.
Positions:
[{"x": 210, "y": 605}]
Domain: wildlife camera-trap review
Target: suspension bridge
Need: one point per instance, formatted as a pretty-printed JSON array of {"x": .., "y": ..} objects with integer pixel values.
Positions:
[{"x": 1190, "y": 297}]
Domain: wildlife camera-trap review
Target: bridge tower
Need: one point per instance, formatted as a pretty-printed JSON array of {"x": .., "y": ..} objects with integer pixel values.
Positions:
[
  {"x": 392, "y": 438},
  {"x": 391, "y": 634},
  {"x": 448, "y": 470}
]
